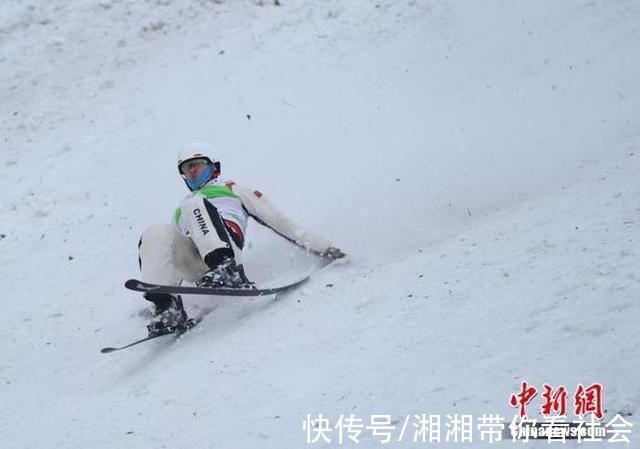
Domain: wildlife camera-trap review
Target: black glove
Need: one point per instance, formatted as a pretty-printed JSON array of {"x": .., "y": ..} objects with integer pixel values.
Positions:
[{"x": 333, "y": 253}]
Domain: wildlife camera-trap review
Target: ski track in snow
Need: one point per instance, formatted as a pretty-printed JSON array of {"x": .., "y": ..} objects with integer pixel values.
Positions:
[{"x": 478, "y": 162}]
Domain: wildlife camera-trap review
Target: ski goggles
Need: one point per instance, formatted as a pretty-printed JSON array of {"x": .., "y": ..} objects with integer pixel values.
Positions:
[{"x": 187, "y": 165}]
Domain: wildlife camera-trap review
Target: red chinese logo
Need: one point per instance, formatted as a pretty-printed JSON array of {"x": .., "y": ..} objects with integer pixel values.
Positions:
[{"x": 586, "y": 400}]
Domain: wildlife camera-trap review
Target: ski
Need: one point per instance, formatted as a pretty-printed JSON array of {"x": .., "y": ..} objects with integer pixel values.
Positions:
[
  {"x": 191, "y": 323},
  {"x": 140, "y": 286}
]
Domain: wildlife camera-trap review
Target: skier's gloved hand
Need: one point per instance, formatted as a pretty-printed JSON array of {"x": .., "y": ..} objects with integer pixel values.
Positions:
[{"x": 333, "y": 253}]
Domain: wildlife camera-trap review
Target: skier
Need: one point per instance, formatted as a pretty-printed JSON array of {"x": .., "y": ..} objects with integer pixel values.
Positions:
[{"x": 205, "y": 242}]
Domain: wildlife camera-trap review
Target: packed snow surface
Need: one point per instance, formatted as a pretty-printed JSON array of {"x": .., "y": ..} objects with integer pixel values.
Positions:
[{"x": 478, "y": 161}]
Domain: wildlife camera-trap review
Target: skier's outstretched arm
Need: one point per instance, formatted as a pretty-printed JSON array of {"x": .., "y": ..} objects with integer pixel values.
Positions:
[{"x": 265, "y": 213}]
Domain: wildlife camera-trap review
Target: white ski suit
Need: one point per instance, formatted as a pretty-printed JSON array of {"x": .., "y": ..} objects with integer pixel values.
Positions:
[{"x": 211, "y": 219}]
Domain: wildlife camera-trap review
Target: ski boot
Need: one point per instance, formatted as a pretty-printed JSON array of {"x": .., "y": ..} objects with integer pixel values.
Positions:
[
  {"x": 227, "y": 274},
  {"x": 169, "y": 314}
]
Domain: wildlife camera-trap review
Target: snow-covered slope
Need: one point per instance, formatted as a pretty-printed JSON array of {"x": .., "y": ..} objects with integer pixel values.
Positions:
[{"x": 477, "y": 161}]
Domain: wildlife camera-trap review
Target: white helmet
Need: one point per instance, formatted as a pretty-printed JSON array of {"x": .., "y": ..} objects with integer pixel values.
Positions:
[{"x": 198, "y": 151}]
